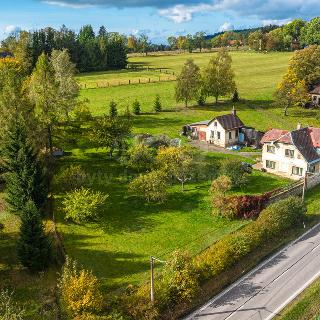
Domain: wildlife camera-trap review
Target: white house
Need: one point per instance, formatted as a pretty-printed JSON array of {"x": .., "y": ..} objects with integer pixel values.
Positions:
[
  {"x": 315, "y": 95},
  {"x": 222, "y": 131},
  {"x": 291, "y": 154}
]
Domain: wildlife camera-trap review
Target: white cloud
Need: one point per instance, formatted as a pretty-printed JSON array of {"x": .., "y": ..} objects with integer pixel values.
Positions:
[
  {"x": 277, "y": 22},
  {"x": 68, "y": 5},
  {"x": 11, "y": 29},
  {"x": 181, "y": 13},
  {"x": 227, "y": 26}
]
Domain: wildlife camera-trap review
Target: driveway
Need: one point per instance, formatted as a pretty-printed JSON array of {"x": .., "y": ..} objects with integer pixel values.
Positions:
[
  {"x": 210, "y": 147},
  {"x": 266, "y": 290}
]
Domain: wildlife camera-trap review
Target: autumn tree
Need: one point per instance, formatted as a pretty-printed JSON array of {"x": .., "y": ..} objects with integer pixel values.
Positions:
[
  {"x": 188, "y": 82},
  {"x": 177, "y": 162},
  {"x": 43, "y": 91},
  {"x": 67, "y": 87},
  {"x": 291, "y": 91},
  {"x": 310, "y": 34},
  {"x": 218, "y": 76},
  {"x": 79, "y": 289}
]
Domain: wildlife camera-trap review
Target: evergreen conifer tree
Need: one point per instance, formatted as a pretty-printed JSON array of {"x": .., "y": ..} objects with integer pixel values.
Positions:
[
  {"x": 33, "y": 246},
  {"x": 136, "y": 107},
  {"x": 113, "y": 112},
  {"x": 157, "y": 104},
  {"x": 25, "y": 175}
]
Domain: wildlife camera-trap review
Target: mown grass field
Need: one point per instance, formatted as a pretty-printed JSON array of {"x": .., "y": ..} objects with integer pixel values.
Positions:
[{"x": 256, "y": 75}]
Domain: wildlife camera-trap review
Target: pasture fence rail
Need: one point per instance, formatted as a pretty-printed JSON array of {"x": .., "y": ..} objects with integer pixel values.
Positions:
[{"x": 165, "y": 75}]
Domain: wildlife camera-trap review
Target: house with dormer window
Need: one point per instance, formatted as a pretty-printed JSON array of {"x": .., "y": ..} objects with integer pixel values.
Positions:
[{"x": 291, "y": 153}]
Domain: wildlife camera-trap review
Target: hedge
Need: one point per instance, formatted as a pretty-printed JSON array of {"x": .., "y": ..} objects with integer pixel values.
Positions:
[{"x": 273, "y": 221}]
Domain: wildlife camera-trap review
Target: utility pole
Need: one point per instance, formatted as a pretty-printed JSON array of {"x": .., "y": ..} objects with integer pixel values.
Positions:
[
  {"x": 305, "y": 185},
  {"x": 152, "y": 264},
  {"x": 152, "y": 260}
]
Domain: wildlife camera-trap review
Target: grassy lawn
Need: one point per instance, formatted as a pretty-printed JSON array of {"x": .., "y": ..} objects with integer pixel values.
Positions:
[
  {"x": 256, "y": 75},
  {"x": 118, "y": 246},
  {"x": 31, "y": 291}
]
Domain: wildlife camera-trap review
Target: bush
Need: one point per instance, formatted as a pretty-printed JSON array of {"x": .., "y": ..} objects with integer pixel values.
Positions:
[
  {"x": 9, "y": 310},
  {"x": 157, "y": 104},
  {"x": 71, "y": 178},
  {"x": 234, "y": 169},
  {"x": 282, "y": 215},
  {"x": 136, "y": 107},
  {"x": 140, "y": 158},
  {"x": 82, "y": 113},
  {"x": 235, "y": 97},
  {"x": 113, "y": 111},
  {"x": 201, "y": 100},
  {"x": 151, "y": 186},
  {"x": 219, "y": 199},
  {"x": 180, "y": 278},
  {"x": 273, "y": 221},
  {"x": 79, "y": 290},
  {"x": 83, "y": 204},
  {"x": 248, "y": 206}
]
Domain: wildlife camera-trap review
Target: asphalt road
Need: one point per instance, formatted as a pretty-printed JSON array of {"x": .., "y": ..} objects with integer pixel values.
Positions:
[{"x": 266, "y": 290}]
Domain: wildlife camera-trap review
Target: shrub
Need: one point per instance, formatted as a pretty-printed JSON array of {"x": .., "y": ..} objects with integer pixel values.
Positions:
[
  {"x": 140, "y": 158},
  {"x": 234, "y": 169},
  {"x": 82, "y": 113},
  {"x": 281, "y": 215},
  {"x": 180, "y": 278},
  {"x": 157, "y": 104},
  {"x": 219, "y": 198},
  {"x": 248, "y": 206},
  {"x": 71, "y": 178},
  {"x": 9, "y": 310},
  {"x": 83, "y": 204},
  {"x": 79, "y": 290},
  {"x": 136, "y": 107},
  {"x": 33, "y": 246},
  {"x": 201, "y": 100},
  {"x": 151, "y": 186}
]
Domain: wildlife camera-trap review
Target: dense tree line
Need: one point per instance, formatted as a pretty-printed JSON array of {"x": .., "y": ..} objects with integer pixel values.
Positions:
[{"x": 88, "y": 51}]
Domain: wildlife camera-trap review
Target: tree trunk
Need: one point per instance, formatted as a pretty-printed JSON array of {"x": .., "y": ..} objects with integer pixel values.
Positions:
[
  {"x": 217, "y": 97},
  {"x": 186, "y": 103},
  {"x": 50, "y": 138},
  {"x": 182, "y": 185},
  {"x": 286, "y": 110}
]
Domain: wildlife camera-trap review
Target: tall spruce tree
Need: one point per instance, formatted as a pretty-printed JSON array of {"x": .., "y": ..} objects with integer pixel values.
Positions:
[
  {"x": 33, "y": 246},
  {"x": 113, "y": 111},
  {"x": 25, "y": 175}
]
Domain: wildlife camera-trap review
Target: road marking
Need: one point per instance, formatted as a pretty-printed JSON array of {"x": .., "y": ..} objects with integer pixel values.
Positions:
[
  {"x": 291, "y": 298},
  {"x": 261, "y": 265}
]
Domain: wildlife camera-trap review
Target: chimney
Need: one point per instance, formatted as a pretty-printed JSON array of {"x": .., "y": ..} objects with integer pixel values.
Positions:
[
  {"x": 299, "y": 126},
  {"x": 234, "y": 111}
]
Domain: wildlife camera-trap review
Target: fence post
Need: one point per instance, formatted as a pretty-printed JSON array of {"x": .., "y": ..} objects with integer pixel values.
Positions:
[
  {"x": 149, "y": 80},
  {"x": 129, "y": 81},
  {"x": 139, "y": 80}
]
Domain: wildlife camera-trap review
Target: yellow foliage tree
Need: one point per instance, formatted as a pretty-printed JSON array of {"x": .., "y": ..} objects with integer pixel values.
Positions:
[
  {"x": 79, "y": 290},
  {"x": 291, "y": 91}
]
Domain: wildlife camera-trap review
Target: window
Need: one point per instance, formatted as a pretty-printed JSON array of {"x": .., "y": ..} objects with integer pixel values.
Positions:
[
  {"x": 270, "y": 164},
  {"x": 219, "y": 135},
  {"x": 289, "y": 153},
  {"x": 297, "y": 171},
  {"x": 212, "y": 134},
  {"x": 230, "y": 135},
  {"x": 237, "y": 134},
  {"x": 215, "y": 123},
  {"x": 312, "y": 169},
  {"x": 271, "y": 149}
]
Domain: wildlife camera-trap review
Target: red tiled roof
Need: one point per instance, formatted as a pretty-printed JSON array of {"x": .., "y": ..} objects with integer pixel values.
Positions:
[
  {"x": 315, "y": 136},
  {"x": 274, "y": 135},
  {"x": 306, "y": 140}
]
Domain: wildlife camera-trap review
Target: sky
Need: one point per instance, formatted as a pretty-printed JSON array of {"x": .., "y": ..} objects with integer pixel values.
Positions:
[{"x": 156, "y": 18}]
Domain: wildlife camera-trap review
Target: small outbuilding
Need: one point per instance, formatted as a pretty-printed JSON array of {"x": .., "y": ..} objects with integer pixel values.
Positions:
[{"x": 315, "y": 95}]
